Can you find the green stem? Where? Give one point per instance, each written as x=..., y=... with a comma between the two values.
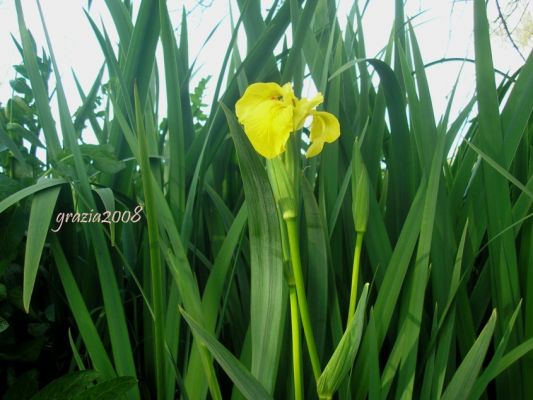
x=300, y=291
x=296, y=356
x=355, y=276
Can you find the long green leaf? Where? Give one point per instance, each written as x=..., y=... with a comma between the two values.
x=86, y=327
x=43, y=184
x=42, y=207
x=464, y=378
x=38, y=87
x=266, y=260
x=247, y=384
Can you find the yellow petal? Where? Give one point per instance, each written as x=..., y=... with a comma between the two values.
x=314, y=149
x=266, y=112
x=325, y=128
x=303, y=109
x=257, y=93
x=289, y=98
x=254, y=95
x=268, y=127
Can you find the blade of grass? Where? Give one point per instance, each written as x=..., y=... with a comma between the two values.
x=176, y=190
x=91, y=338
x=43, y=184
x=243, y=379
x=410, y=330
x=42, y=207
x=502, y=171
x=39, y=90
x=155, y=256
x=12, y=146
x=122, y=20
x=317, y=273
x=504, y=363
x=217, y=279
x=464, y=378
x=402, y=185
x=490, y=371
x=388, y=295
x=517, y=110
x=503, y=261
x=75, y=354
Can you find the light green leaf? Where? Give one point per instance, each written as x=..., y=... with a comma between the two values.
x=464, y=378
x=266, y=259
x=42, y=207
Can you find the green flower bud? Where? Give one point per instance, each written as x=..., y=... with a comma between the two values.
x=341, y=361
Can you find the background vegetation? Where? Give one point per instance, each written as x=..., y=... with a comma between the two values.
x=192, y=301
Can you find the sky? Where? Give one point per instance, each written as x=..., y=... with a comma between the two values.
x=442, y=31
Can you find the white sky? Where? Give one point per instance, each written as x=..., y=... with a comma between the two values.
x=440, y=32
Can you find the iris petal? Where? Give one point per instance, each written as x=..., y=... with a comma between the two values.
x=270, y=112
x=303, y=109
x=325, y=128
x=268, y=127
x=254, y=95
x=266, y=112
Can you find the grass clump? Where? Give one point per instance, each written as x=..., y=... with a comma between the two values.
x=414, y=284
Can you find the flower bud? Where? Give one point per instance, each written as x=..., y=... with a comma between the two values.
x=341, y=362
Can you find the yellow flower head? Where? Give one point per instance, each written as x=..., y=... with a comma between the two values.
x=270, y=112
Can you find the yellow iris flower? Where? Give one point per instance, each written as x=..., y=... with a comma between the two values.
x=270, y=112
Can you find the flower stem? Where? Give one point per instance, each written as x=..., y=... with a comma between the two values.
x=296, y=356
x=355, y=276
x=300, y=291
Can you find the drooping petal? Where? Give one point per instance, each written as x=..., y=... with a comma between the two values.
x=325, y=128
x=314, y=149
x=266, y=112
x=303, y=109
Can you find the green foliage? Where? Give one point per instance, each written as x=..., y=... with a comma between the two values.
x=80, y=385
x=190, y=299
x=197, y=103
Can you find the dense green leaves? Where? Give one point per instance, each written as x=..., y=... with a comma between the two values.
x=464, y=378
x=79, y=385
x=187, y=289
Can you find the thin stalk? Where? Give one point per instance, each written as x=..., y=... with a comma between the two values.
x=355, y=276
x=296, y=344
x=302, y=299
